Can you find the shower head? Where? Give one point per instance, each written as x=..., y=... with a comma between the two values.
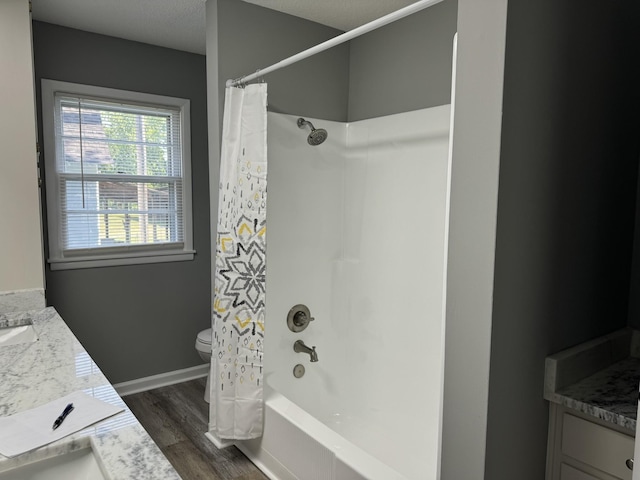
x=317, y=135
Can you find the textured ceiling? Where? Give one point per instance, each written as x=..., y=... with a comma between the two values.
x=341, y=14
x=180, y=24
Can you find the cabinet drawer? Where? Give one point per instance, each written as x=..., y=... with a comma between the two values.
x=600, y=447
x=567, y=472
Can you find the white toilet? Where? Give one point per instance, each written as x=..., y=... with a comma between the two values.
x=203, y=346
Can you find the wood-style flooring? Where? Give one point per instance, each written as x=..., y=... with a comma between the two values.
x=176, y=417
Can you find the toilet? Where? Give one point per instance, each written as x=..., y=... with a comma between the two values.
x=203, y=347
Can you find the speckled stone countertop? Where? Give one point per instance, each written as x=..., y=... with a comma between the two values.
x=599, y=378
x=610, y=395
x=32, y=374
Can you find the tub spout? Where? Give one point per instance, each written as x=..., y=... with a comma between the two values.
x=300, y=347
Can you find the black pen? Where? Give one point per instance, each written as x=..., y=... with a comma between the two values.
x=63, y=415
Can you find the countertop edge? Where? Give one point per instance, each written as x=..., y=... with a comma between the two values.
x=593, y=411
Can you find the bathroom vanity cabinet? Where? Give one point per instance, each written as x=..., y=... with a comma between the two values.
x=593, y=401
x=582, y=447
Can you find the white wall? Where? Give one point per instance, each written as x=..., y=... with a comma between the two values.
x=477, y=114
x=21, y=254
x=304, y=232
x=358, y=235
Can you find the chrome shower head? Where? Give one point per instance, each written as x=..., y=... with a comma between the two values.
x=317, y=135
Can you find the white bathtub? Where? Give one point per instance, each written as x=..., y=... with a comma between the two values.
x=298, y=446
x=356, y=231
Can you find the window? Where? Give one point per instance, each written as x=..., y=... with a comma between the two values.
x=117, y=176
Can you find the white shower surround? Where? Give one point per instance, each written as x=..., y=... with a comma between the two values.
x=356, y=231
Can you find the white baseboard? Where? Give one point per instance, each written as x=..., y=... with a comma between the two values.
x=161, y=380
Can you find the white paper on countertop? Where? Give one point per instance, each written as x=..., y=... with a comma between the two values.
x=33, y=428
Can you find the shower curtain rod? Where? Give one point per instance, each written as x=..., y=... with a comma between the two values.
x=344, y=37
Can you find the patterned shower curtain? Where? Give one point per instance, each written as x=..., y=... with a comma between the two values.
x=239, y=288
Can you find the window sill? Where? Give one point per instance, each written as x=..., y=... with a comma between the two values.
x=115, y=260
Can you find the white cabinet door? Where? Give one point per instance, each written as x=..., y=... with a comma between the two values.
x=597, y=446
x=567, y=472
x=636, y=454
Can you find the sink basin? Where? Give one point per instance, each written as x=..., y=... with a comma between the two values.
x=17, y=334
x=78, y=465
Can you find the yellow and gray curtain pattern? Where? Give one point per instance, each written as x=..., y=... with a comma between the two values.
x=239, y=287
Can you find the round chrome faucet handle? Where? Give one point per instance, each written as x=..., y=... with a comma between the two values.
x=299, y=318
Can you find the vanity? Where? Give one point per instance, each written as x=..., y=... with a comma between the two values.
x=49, y=363
x=592, y=391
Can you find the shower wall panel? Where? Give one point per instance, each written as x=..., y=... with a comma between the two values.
x=356, y=231
x=305, y=198
x=394, y=237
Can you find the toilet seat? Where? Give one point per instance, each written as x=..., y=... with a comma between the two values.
x=203, y=341
x=205, y=336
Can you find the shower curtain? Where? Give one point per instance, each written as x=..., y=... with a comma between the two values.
x=239, y=286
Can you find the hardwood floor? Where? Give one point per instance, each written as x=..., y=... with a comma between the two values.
x=176, y=417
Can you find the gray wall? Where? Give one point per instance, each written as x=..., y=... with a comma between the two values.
x=252, y=37
x=566, y=206
x=634, y=284
x=401, y=67
x=136, y=320
x=405, y=65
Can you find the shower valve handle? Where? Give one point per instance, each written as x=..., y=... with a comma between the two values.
x=300, y=319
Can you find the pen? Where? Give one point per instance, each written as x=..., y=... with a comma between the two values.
x=63, y=415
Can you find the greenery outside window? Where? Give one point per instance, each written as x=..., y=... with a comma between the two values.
x=118, y=179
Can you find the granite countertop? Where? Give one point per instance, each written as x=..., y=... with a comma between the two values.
x=599, y=378
x=610, y=394
x=32, y=374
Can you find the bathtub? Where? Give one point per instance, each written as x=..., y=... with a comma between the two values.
x=356, y=231
x=298, y=446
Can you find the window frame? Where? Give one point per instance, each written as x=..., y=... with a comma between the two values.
x=121, y=255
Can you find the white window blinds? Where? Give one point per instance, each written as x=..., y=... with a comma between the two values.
x=120, y=174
